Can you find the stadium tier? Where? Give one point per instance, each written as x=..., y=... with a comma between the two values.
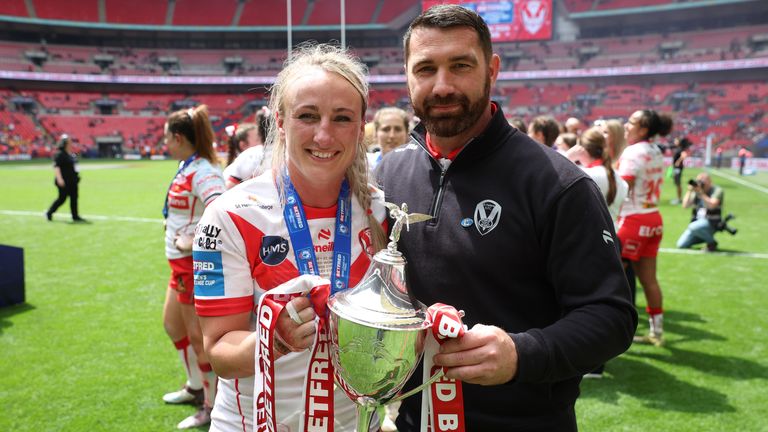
x=244, y=13
x=728, y=106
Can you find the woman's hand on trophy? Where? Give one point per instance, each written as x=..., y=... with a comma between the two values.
x=295, y=326
x=485, y=355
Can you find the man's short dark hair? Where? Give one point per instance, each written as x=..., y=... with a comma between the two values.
x=447, y=16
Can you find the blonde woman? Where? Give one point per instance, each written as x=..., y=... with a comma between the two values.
x=319, y=167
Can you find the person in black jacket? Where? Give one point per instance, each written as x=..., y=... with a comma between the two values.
x=67, y=179
x=520, y=240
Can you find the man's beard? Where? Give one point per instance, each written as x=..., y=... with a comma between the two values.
x=450, y=125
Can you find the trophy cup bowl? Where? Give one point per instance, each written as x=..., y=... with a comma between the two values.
x=377, y=333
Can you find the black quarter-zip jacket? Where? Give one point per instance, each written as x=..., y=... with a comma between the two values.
x=521, y=239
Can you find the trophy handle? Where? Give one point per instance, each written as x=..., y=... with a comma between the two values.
x=439, y=374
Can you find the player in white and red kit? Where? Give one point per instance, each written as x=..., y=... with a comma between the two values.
x=243, y=247
x=248, y=140
x=197, y=183
x=641, y=165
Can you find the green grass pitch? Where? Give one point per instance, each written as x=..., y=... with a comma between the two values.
x=87, y=352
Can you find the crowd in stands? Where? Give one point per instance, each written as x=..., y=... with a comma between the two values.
x=684, y=47
x=733, y=113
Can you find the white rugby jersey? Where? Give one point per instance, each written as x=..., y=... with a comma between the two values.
x=246, y=165
x=600, y=176
x=242, y=249
x=644, y=163
x=196, y=186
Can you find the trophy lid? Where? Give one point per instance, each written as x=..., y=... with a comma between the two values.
x=381, y=299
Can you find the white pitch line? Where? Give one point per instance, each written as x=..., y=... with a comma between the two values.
x=157, y=221
x=740, y=181
x=724, y=253
x=41, y=215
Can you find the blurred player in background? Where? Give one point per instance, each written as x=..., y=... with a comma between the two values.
x=189, y=137
x=641, y=165
x=391, y=131
x=251, y=161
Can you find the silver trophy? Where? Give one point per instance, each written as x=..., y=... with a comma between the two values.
x=378, y=329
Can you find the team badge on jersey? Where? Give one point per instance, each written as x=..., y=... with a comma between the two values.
x=487, y=216
x=273, y=250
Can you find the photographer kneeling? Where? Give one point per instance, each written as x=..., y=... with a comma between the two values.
x=707, y=202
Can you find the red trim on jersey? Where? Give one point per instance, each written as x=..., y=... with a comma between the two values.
x=594, y=163
x=234, y=180
x=358, y=268
x=628, y=178
x=224, y=306
x=251, y=237
x=239, y=406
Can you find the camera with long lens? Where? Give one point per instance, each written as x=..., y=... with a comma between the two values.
x=695, y=183
x=723, y=225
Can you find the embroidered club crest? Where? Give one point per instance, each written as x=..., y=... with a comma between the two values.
x=487, y=215
x=533, y=14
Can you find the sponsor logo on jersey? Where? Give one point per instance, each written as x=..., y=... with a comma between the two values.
x=487, y=216
x=259, y=204
x=179, y=202
x=650, y=231
x=534, y=14
x=324, y=234
x=466, y=222
x=209, y=230
x=328, y=247
x=207, y=237
x=273, y=250
x=630, y=246
x=208, y=274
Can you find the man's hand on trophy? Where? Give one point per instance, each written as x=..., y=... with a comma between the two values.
x=295, y=326
x=485, y=355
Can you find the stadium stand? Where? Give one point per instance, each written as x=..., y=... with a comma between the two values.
x=253, y=13
x=392, y=9
x=13, y=8
x=728, y=107
x=188, y=12
x=624, y=4
x=85, y=10
x=326, y=12
x=147, y=12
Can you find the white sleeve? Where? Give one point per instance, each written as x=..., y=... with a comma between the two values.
x=246, y=164
x=208, y=184
x=223, y=281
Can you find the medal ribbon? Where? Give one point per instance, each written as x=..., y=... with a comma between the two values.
x=301, y=238
x=318, y=390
